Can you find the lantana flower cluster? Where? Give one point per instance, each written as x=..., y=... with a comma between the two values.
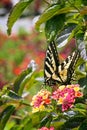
x=64, y=96
x=41, y=100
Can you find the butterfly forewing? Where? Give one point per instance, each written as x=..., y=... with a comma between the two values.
x=54, y=72
x=51, y=62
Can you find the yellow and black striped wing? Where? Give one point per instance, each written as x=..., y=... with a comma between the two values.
x=56, y=73
x=67, y=68
x=51, y=63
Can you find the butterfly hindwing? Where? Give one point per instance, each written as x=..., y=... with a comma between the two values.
x=54, y=72
x=66, y=69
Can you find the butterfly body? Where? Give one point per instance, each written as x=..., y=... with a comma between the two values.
x=56, y=73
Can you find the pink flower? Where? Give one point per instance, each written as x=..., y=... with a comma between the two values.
x=68, y=102
x=66, y=95
x=40, y=100
x=56, y=94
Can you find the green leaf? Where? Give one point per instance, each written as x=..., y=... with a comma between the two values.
x=52, y=11
x=81, y=106
x=76, y=3
x=20, y=79
x=46, y=120
x=83, y=82
x=83, y=126
x=65, y=36
x=84, y=2
x=73, y=122
x=38, y=117
x=80, y=74
x=48, y=13
x=27, y=77
x=26, y=123
x=34, y=81
x=16, y=13
x=17, y=127
x=25, y=80
x=4, y=116
x=9, y=125
x=53, y=26
x=14, y=95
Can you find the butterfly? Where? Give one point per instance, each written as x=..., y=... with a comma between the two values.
x=56, y=72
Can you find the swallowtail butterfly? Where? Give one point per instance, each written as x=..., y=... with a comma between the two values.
x=56, y=73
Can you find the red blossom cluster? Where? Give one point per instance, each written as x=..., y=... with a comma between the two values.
x=40, y=100
x=64, y=96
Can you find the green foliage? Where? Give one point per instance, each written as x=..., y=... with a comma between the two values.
x=16, y=13
x=83, y=125
x=20, y=79
x=53, y=26
x=73, y=122
x=64, y=20
x=6, y=113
